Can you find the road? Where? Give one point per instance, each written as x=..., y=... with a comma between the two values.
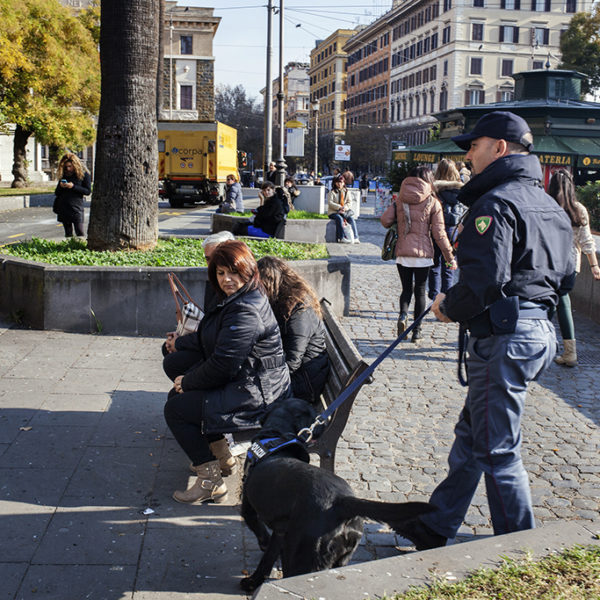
x=40, y=221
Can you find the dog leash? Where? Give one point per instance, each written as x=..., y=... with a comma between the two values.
x=306, y=433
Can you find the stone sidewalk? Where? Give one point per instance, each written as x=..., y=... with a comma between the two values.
x=87, y=467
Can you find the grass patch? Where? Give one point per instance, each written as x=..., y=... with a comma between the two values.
x=571, y=575
x=293, y=214
x=28, y=191
x=175, y=252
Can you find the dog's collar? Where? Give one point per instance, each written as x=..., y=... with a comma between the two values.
x=260, y=449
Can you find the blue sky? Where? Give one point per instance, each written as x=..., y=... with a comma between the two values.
x=241, y=39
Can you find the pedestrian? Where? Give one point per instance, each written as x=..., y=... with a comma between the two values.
x=339, y=209
x=293, y=192
x=298, y=314
x=561, y=188
x=234, y=199
x=418, y=215
x=447, y=186
x=74, y=183
x=364, y=187
x=272, y=173
x=464, y=173
x=514, y=256
x=242, y=372
x=348, y=176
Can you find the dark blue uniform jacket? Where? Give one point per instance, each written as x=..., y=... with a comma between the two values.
x=516, y=240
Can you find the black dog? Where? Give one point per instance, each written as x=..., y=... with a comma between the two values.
x=315, y=519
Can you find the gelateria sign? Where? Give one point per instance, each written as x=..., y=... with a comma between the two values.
x=565, y=160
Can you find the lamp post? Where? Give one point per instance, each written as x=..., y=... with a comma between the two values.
x=316, y=111
x=281, y=164
x=171, y=67
x=268, y=129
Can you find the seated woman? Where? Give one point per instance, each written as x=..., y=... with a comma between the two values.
x=269, y=220
x=242, y=370
x=339, y=209
x=298, y=313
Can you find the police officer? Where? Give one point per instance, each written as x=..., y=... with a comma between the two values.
x=514, y=259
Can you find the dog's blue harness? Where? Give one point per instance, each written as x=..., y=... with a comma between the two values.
x=262, y=448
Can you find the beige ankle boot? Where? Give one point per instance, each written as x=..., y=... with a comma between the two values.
x=222, y=453
x=208, y=486
x=569, y=356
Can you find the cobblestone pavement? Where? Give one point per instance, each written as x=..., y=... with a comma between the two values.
x=396, y=443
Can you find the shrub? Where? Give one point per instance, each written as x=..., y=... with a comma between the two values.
x=589, y=196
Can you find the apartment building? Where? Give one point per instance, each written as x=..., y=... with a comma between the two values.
x=368, y=77
x=451, y=53
x=188, y=89
x=296, y=94
x=327, y=73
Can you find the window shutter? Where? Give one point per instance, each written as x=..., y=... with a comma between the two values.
x=501, y=36
x=546, y=36
x=517, y=4
x=467, y=97
x=548, y=5
x=498, y=96
x=515, y=35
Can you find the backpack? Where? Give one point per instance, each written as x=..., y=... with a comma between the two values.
x=453, y=212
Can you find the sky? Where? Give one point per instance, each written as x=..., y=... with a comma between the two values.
x=240, y=44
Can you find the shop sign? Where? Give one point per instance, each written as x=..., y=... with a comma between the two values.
x=589, y=161
x=399, y=156
x=424, y=157
x=556, y=159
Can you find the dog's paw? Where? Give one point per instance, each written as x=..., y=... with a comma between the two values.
x=249, y=584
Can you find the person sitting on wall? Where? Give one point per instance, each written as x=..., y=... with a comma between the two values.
x=269, y=220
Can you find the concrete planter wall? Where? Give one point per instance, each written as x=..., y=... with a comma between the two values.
x=585, y=296
x=126, y=300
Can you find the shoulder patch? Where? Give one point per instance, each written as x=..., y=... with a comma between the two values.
x=482, y=224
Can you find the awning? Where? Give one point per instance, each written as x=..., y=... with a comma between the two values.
x=587, y=150
x=551, y=150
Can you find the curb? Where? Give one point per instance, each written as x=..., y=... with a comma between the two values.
x=451, y=563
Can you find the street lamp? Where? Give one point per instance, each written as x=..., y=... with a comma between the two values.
x=316, y=111
x=281, y=164
x=268, y=128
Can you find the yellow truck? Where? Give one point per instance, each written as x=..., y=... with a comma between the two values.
x=194, y=158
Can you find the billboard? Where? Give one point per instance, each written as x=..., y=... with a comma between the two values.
x=342, y=152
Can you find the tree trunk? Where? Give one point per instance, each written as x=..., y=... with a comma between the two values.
x=19, y=169
x=124, y=212
x=160, y=63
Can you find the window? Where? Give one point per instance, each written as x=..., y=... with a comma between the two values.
x=443, y=100
x=447, y=5
x=185, y=44
x=510, y=4
x=434, y=41
x=474, y=97
x=541, y=5
x=538, y=64
x=477, y=32
x=507, y=67
x=505, y=96
x=445, y=68
x=509, y=34
x=478, y=3
x=446, y=35
x=476, y=66
x=571, y=6
x=185, y=97
x=541, y=36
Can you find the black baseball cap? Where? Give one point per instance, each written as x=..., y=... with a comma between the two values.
x=500, y=125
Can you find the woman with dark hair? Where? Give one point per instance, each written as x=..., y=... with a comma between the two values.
x=269, y=219
x=418, y=214
x=241, y=371
x=74, y=183
x=561, y=188
x=339, y=209
x=298, y=313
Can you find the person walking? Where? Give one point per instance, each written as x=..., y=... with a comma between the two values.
x=241, y=372
x=348, y=176
x=447, y=186
x=418, y=215
x=561, y=188
x=364, y=187
x=74, y=183
x=514, y=256
x=339, y=209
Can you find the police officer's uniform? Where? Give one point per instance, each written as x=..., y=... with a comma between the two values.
x=514, y=257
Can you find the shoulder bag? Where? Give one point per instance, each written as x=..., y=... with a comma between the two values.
x=189, y=314
x=388, y=250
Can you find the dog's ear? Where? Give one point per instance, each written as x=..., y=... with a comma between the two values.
x=304, y=413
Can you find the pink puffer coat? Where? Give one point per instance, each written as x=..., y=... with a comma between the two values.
x=426, y=219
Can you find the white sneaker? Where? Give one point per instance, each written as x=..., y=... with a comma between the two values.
x=345, y=241
x=356, y=241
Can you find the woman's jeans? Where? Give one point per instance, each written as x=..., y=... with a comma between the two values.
x=441, y=278
x=339, y=225
x=407, y=274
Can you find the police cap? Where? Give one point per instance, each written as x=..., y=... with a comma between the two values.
x=500, y=125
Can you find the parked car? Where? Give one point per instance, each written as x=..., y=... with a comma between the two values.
x=302, y=179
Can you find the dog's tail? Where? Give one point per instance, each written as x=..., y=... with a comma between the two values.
x=392, y=513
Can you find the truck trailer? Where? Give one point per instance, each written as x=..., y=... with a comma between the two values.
x=194, y=159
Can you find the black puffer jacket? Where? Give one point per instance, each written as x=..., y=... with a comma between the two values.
x=68, y=204
x=244, y=368
x=270, y=216
x=303, y=337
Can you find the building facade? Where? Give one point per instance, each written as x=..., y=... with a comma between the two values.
x=296, y=94
x=188, y=90
x=328, y=81
x=451, y=53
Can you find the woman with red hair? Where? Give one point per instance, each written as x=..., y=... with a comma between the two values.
x=241, y=370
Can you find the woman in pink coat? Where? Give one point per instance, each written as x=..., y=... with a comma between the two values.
x=419, y=215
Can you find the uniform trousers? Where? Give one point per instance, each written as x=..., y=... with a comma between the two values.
x=488, y=433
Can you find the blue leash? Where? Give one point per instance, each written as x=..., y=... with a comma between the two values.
x=306, y=434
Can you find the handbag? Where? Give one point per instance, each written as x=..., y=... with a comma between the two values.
x=348, y=232
x=189, y=314
x=349, y=213
x=388, y=250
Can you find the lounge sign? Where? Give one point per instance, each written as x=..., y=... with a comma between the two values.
x=399, y=156
x=556, y=159
x=424, y=157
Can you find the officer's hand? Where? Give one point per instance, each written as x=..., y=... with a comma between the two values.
x=435, y=307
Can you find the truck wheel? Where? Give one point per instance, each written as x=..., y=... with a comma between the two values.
x=175, y=203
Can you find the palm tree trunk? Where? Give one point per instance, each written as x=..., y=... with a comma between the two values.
x=124, y=213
